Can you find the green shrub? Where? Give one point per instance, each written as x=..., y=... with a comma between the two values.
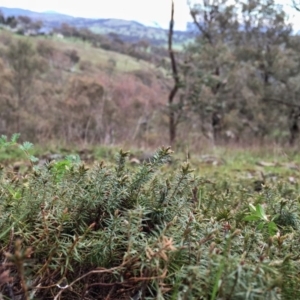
x=70, y=232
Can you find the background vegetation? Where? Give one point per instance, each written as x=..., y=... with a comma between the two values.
x=237, y=81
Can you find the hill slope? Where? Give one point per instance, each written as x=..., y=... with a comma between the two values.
x=131, y=31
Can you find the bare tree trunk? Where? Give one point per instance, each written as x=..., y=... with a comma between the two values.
x=294, y=127
x=174, y=90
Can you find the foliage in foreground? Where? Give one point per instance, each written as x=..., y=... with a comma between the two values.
x=110, y=232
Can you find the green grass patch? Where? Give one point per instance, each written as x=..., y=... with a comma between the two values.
x=98, y=56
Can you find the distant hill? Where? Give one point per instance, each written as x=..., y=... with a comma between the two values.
x=129, y=31
x=44, y=16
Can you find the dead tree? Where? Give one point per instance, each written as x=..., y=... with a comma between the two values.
x=174, y=90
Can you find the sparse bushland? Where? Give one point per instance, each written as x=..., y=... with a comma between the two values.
x=149, y=232
x=236, y=84
x=50, y=91
x=238, y=78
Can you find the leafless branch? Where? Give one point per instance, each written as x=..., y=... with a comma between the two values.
x=97, y=271
x=199, y=26
x=296, y=5
x=171, y=53
x=174, y=90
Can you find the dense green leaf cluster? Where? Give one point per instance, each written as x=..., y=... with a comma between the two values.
x=117, y=232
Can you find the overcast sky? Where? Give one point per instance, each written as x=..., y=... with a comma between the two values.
x=145, y=11
x=140, y=10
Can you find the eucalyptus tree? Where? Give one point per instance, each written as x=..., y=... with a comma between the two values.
x=243, y=63
x=23, y=69
x=269, y=49
x=210, y=62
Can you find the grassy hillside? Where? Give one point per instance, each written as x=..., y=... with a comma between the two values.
x=97, y=56
x=77, y=92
